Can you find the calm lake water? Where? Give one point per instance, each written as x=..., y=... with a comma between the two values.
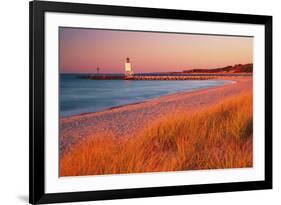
x=79, y=95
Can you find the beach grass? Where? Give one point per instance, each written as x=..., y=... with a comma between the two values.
x=214, y=137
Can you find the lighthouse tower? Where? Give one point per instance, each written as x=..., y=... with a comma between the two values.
x=128, y=69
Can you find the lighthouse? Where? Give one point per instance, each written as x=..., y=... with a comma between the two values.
x=128, y=68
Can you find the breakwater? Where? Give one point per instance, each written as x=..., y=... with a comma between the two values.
x=199, y=76
x=152, y=77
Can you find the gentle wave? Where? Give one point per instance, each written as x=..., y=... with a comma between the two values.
x=79, y=95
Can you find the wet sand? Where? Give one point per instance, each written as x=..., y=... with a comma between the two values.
x=126, y=121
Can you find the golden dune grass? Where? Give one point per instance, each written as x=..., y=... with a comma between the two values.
x=213, y=138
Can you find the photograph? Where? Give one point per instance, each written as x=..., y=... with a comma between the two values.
x=148, y=101
x=132, y=102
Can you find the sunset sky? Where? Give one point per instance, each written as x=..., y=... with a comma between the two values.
x=83, y=50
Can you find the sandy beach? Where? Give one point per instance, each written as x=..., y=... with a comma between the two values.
x=126, y=121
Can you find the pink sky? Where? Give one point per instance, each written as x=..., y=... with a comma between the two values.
x=83, y=50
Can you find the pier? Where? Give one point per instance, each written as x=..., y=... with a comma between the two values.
x=156, y=77
x=147, y=77
x=170, y=78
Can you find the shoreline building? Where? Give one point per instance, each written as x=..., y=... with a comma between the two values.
x=128, y=68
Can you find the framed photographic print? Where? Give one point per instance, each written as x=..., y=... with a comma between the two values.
x=140, y=102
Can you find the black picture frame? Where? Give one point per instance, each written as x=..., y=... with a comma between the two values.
x=37, y=11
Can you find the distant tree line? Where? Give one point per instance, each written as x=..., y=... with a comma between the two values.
x=238, y=68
